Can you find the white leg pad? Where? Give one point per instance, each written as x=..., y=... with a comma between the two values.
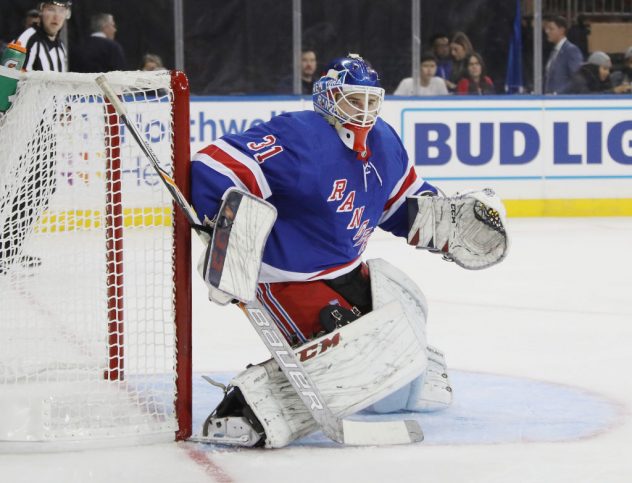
x=357, y=366
x=353, y=367
x=389, y=283
x=431, y=390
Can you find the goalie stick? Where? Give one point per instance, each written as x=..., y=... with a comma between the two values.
x=339, y=430
x=168, y=181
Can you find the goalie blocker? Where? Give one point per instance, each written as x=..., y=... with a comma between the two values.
x=468, y=228
x=231, y=263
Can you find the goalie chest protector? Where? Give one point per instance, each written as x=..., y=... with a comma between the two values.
x=328, y=201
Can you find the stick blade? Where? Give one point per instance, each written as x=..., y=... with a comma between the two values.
x=377, y=433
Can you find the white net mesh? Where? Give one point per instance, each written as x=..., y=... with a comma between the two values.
x=87, y=319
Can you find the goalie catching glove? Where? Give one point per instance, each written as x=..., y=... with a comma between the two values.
x=468, y=228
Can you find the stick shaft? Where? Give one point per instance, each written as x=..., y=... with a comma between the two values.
x=170, y=184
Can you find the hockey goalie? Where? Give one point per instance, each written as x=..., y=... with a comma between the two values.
x=319, y=183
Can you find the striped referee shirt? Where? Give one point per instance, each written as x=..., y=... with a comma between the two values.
x=42, y=53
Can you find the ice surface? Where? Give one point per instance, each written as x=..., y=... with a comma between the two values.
x=540, y=351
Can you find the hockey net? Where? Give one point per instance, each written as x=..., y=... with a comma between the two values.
x=94, y=264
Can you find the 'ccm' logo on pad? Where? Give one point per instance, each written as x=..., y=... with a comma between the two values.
x=318, y=348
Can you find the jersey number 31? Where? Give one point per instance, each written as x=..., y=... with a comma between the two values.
x=261, y=152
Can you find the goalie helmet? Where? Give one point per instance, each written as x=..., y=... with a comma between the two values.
x=349, y=96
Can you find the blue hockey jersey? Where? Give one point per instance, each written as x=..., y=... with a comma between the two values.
x=329, y=201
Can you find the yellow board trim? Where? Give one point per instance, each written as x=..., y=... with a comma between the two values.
x=58, y=222
x=569, y=207
x=73, y=220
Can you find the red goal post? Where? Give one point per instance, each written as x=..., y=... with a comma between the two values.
x=95, y=264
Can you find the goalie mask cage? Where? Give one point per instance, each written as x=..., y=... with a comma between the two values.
x=95, y=297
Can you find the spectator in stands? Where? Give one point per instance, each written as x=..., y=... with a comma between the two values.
x=622, y=79
x=429, y=84
x=99, y=52
x=594, y=77
x=151, y=62
x=441, y=49
x=44, y=48
x=460, y=48
x=564, y=59
x=309, y=63
x=32, y=18
x=475, y=82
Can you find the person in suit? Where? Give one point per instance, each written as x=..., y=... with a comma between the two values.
x=99, y=52
x=565, y=58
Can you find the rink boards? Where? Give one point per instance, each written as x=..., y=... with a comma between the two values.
x=554, y=156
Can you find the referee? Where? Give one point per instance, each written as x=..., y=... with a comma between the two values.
x=44, y=49
x=44, y=52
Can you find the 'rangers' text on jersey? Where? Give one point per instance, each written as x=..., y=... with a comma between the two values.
x=328, y=201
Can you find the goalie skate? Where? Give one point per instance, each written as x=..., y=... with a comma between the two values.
x=231, y=431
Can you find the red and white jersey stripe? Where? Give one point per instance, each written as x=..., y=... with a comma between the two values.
x=241, y=169
x=270, y=274
x=328, y=201
x=408, y=185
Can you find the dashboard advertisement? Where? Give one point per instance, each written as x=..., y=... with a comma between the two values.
x=527, y=148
